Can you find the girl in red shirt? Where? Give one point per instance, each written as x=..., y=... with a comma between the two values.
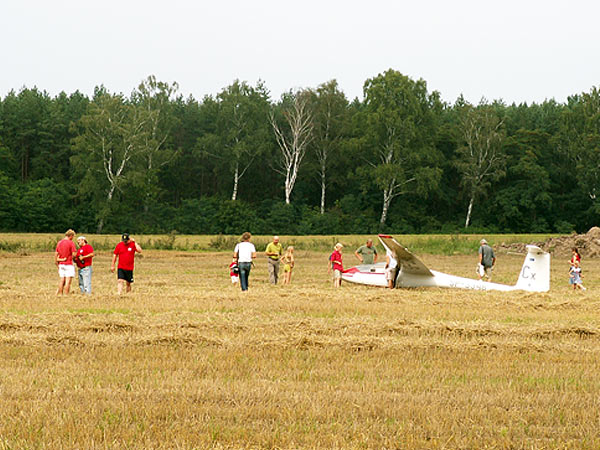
x=335, y=264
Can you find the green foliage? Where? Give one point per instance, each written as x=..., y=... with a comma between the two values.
x=155, y=162
x=11, y=247
x=579, y=139
x=401, y=122
x=480, y=158
x=166, y=242
x=223, y=243
x=37, y=206
x=313, y=222
x=564, y=227
x=8, y=207
x=240, y=132
x=44, y=205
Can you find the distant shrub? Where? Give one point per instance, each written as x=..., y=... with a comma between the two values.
x=165, y=242
x=222, y=243
x=12, y=247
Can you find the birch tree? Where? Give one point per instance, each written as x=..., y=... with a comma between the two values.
x=293, y=137
x=400, y=117
x=105, y=149
x=480, y=159
x=153, y=111
x=330, y=108
x=241, y=122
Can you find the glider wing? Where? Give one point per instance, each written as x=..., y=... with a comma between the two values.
x=407, y=262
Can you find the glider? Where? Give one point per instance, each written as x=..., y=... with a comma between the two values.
x=411, y=272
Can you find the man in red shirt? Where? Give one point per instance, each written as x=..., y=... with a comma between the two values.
x=125, y=252
x=84, y=263
x=63, y=258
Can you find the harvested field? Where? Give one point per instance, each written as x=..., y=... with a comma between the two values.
x=187, y=361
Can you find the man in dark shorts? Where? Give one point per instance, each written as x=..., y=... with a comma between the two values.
x=125, y=252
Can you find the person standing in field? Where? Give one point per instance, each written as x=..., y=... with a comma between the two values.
x=336, y=265
x=575, y=276
x=575, y=255
x=366, y=254
x=487, y=260
x=273, y=251
x=63, y=258
x=244, y=253
x=288, y=265
x=85, y=253
x=234, y=272
x=390, y=268
x=575, y=273
x=125, y=252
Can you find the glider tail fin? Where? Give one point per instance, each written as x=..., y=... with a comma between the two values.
x=535, y=273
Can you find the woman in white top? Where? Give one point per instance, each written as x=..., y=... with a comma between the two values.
x=390, y=268
x=244, y=253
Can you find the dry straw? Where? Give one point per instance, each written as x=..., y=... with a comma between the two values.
x=187, y=361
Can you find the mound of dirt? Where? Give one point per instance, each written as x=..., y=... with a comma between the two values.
x=588, y=244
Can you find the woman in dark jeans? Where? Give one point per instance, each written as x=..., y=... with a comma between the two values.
x=244, y=253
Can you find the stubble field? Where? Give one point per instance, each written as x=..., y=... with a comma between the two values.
x=187, y=361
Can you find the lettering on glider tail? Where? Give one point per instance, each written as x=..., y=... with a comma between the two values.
x=526, y=271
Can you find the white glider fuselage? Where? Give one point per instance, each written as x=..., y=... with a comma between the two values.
x=444, y=280
x=534, y=275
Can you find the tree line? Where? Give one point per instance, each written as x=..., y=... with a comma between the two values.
x=311, y=162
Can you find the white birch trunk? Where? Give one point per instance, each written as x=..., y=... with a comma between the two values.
x=289, y=187
x=387, y=199
x=148, y=184
x=388, y=192
x=100, y=225
x=236, y=178
x=323, y=187
x=109, y=197
x=293, y=147
x=469, y=211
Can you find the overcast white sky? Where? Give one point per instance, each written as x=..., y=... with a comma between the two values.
x=527, y=50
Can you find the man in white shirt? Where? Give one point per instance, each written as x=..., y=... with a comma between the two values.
x=244, y=253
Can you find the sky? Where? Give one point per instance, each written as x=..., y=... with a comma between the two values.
x=515, y=51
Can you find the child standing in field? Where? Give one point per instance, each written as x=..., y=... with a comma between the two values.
x=335, y=265
x=234, y=271
x=288, y=265
x=575, y=276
